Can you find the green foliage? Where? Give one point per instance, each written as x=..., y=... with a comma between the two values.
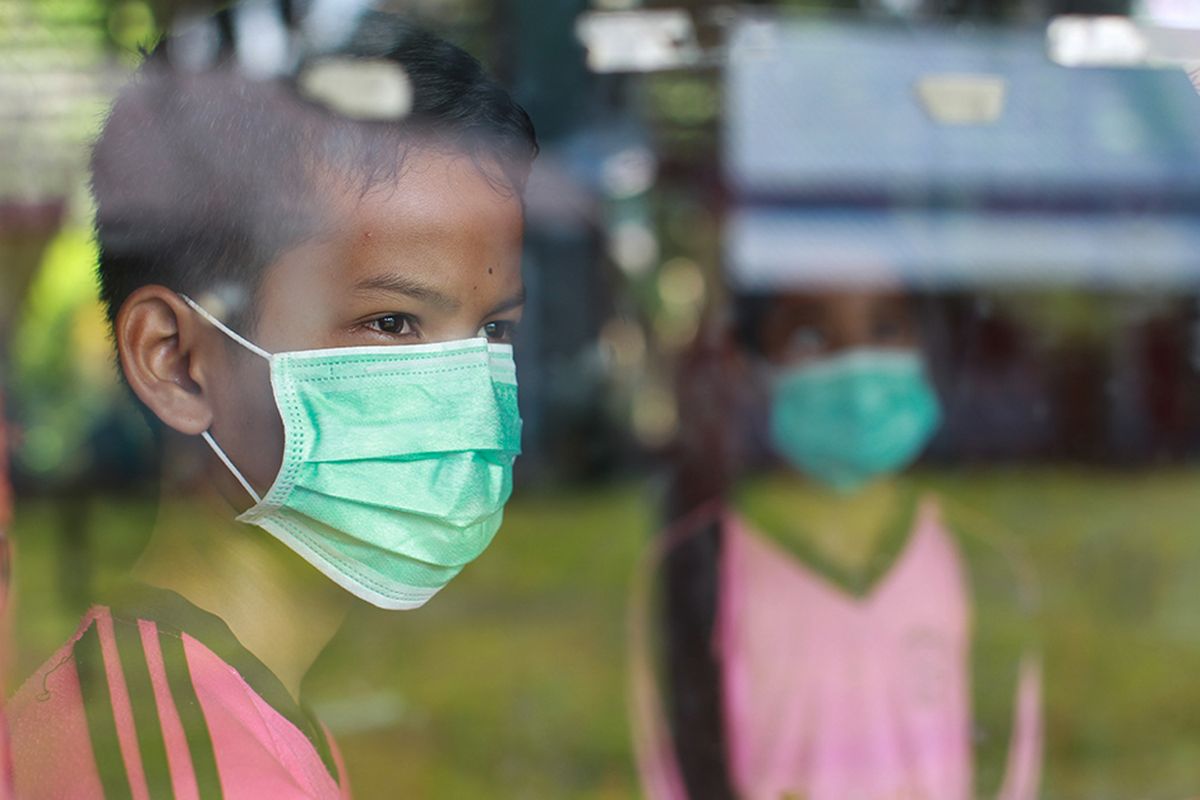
x=63, y=367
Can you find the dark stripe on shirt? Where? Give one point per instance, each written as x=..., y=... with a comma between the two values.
x=97, y=706
x=145, y=709
x=172, y=612
x=191, y=715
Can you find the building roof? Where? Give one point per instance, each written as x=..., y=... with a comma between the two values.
x=821, y=110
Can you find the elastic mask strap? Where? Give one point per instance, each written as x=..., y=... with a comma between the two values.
x=225, y=329
x=253, y=348
x=229, y=464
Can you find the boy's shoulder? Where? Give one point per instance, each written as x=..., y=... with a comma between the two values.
x=143, y=702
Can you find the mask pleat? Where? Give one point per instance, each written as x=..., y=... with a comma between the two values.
x=462, y=489
x=354, y=554
x=356, y=418
x=357, y=531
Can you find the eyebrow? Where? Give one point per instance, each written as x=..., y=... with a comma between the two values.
x=512, y=302
x=399, y=284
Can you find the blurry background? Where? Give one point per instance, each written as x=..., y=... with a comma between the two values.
x=1035, y=176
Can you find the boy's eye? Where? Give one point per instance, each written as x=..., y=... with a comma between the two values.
x=396, y=324
x=499, y=331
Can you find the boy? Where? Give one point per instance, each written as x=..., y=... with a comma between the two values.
x=317, y=312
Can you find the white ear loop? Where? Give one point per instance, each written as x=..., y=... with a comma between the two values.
x=253, y=348
x=229, y=464
x=225, y=329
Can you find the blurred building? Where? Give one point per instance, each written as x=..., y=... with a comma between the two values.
x=970, y=166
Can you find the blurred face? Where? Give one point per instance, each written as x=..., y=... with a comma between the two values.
x=798, y=328
x=846, y=421
x=435, y=257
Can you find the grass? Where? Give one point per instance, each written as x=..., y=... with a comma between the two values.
x=512, y=682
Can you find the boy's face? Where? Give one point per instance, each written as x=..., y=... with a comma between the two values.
x=433, y=257
x=803, y=327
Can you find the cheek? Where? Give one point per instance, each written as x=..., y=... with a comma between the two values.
x=247, y=423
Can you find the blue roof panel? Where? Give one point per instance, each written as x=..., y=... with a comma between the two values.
x=820, y=108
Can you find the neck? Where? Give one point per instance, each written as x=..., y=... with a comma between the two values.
x=845, y=528
x=279, y=608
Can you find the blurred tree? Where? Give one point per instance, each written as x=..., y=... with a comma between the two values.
x=60, y=62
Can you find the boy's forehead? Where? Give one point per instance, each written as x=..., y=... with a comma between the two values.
x=441, y=223
x=430, y=190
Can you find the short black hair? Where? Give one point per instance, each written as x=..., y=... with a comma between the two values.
x=203, y=177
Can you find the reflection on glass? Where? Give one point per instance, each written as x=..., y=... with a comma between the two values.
x=753, y=233
x=834, y=628
x=309, y=263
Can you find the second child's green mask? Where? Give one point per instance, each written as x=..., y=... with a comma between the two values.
x=853, y=417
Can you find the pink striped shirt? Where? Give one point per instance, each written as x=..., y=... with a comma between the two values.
x=156, y=698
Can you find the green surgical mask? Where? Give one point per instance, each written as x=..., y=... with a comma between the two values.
x=848, y=419
x=397, y=461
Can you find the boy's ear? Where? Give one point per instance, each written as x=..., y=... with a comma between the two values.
x=161, y=344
